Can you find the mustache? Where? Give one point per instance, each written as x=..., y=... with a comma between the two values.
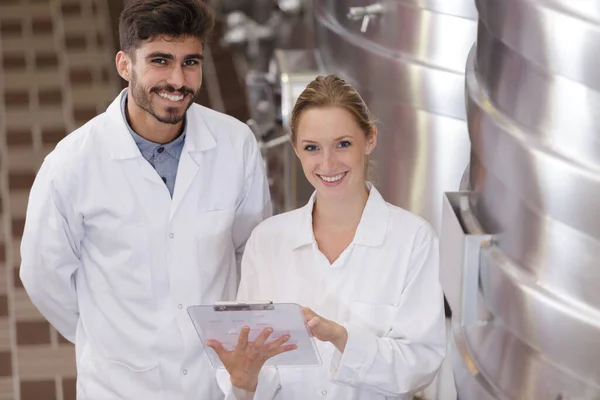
x=170, y=89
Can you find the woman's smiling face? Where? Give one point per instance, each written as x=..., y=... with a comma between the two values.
x=333, y=151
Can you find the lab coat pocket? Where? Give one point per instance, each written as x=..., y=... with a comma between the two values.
x=378, y=318
x=214, y=237
x=106, y=379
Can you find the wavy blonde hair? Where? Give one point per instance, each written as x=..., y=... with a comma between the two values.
x=332, y=91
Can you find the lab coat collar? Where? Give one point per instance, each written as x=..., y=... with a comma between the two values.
x=371, y=229
x=122, y=145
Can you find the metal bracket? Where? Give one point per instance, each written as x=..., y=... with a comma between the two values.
x=365, y=13
x=239, y=306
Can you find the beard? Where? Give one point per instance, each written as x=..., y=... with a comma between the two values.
x=142, y=97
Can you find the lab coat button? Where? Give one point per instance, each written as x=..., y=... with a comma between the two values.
x=324, y=392
x=171, y=235
x=185, y=371
x=180, y=306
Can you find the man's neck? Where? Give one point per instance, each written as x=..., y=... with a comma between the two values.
x=149, y=127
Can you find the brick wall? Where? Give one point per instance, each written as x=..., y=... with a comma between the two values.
x=56, y=72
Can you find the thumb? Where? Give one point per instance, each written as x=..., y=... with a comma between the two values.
x=308, y=314
x=216, y=346
x=314, y=323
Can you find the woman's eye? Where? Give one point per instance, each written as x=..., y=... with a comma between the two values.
x=310, y=147
x=344, y=143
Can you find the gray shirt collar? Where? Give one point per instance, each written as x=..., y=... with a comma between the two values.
x=147, y=148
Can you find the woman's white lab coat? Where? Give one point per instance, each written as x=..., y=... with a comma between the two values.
x=384, y=288
x=113, y=262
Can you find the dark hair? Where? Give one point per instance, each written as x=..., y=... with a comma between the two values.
x=331, y=91
x=142, y=20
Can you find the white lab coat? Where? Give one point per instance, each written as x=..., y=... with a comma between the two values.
x=384, y=288
x=113, y=262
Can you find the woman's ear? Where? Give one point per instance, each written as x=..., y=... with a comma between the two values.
x=371, y=140
x=294, y=147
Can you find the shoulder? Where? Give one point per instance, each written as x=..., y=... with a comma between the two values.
x=222, y=124
x=77, y=147
x=232, y=137
x=66, y=166
x=411, y=226
x=279, y=228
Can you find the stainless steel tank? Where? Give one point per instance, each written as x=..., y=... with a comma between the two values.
x=407, y=59
x=521, y=246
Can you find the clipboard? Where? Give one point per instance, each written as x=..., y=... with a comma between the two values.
x=224, y=321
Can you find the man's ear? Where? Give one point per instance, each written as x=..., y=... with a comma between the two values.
x=124, y=65
x=372, y=141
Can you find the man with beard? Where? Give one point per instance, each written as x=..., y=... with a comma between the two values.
x=142, y=212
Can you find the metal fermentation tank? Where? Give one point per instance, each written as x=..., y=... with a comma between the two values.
x=521, y=247
x=407, y=59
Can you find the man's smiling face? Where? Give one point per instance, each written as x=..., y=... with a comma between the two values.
x=166, y=76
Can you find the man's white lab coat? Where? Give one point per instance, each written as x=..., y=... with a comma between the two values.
x=113, y=262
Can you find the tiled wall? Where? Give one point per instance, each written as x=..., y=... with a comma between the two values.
x=56, y=72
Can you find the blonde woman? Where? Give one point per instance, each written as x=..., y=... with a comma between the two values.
x=365, y=271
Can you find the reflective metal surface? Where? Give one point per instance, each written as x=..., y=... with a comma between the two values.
x=258, y=33
x=490, y=361
x=293, y=71
x=533, y=95
x=407, y=59
x=259, y=10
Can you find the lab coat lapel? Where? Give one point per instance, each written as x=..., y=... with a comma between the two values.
x=198, y=140
x=152, y=193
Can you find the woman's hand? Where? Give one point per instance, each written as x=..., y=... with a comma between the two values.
x=326, y=330
x=246, y=360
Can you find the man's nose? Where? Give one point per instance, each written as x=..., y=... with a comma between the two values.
x=176, y=78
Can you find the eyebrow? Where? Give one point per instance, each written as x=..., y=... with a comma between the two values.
x=335, y=140
x=158, y=54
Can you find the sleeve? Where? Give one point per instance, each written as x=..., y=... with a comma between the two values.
x=408, y=358
x=255, y=205
x=50, y=253
x=268, y=386
x=268, y=379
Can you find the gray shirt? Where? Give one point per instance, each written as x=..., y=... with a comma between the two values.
x=164, y=158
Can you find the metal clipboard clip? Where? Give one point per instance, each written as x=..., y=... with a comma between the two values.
x=243, y=306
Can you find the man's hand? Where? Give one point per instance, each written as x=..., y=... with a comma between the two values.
x=326, y=330
x=246, y=360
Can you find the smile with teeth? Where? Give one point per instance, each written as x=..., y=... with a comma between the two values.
x=171, y=96
x=333, y=178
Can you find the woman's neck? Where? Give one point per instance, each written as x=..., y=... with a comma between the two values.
x=339, y=215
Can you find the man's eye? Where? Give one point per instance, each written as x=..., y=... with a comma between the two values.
x=159, y=61
x=310, y=147
x=190, y=63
